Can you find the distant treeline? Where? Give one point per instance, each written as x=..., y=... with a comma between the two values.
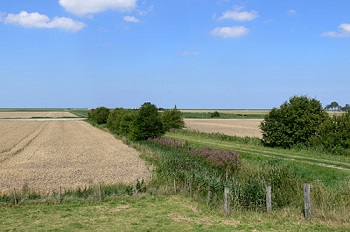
x=138, y=124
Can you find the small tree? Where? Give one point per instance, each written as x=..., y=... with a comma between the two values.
x=334, y=134
x=215, y=114
x=333, y=106
x=172, y=119
x=346, y=107
x=147, y=123
x=99, y=115
x=294, y=123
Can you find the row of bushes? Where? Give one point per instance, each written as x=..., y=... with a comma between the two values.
x=303, y=122
x=141, y=124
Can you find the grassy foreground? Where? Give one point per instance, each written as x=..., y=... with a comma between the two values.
x=152, y=213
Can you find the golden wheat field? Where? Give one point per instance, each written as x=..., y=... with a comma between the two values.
x=44, y=155
x=36, y=114
x=233, y=127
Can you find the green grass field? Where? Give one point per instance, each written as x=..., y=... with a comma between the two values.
x=153, y=213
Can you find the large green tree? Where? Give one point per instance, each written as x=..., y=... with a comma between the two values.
x=147, y=123
x=295, y=122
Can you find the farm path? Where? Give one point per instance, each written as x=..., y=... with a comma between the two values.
x=70, y=154
x=261, y=151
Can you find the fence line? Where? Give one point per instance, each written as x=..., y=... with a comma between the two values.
x=139, y=186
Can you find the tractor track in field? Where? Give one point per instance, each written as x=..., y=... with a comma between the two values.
x=21, y=145
x=271, y=154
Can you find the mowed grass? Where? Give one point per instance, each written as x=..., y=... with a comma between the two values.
x=153, y=213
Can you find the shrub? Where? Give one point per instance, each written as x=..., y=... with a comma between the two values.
x=146, y=124
x=334, y=134
x=99, y=115
x=172, y=119
x=295, y=123
x=215, y=114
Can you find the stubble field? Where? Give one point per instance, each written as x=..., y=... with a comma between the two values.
x=36, y=114
x=233, y=127
x=43, y=155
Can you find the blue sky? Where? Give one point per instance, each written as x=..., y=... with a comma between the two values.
x=195, y=54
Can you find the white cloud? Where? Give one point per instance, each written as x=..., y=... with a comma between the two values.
x=238, y=15
x=89, y=7
x=190, y=53
x=291, y=12
x=131, y=19
x=344, y=31
x=230, y=32
x=37, y=20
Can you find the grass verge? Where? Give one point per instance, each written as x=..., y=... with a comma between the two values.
x=152, y=213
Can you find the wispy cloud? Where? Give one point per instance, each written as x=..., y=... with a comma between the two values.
x=291, y=12
x=131, y=19
x=238, y=15
x=190, y=53
x=90, y=7
x=230, y=32
x=344, y=31
x=36, y=20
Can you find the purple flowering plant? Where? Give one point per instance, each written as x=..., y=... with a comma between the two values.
x=225, y=160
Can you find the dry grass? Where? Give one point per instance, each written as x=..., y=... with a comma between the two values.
x=69, y=154
x=36, y=114
x=233, y=127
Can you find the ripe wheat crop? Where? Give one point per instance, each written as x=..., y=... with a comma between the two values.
x=69, y=154
x=35, y=114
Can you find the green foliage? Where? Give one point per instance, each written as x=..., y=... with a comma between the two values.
x=295, y=123
x=215, y=114
x=334, y=134
x=345, y=108
x=172, y=119
x=333, y=106
x=136, y=124
x=99, y=115
x=174, y=159
x=147, y=123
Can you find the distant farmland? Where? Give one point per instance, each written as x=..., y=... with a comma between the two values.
x=233, y=127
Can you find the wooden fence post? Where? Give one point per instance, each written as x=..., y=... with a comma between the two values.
x=227, y=201
x=15, y=196
x=60, y=195
x=174, y=185
x=190, y=188
x=268, y=199
x=307, y=201
x=209, y=197
x=100, y=196
x=135, y=187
